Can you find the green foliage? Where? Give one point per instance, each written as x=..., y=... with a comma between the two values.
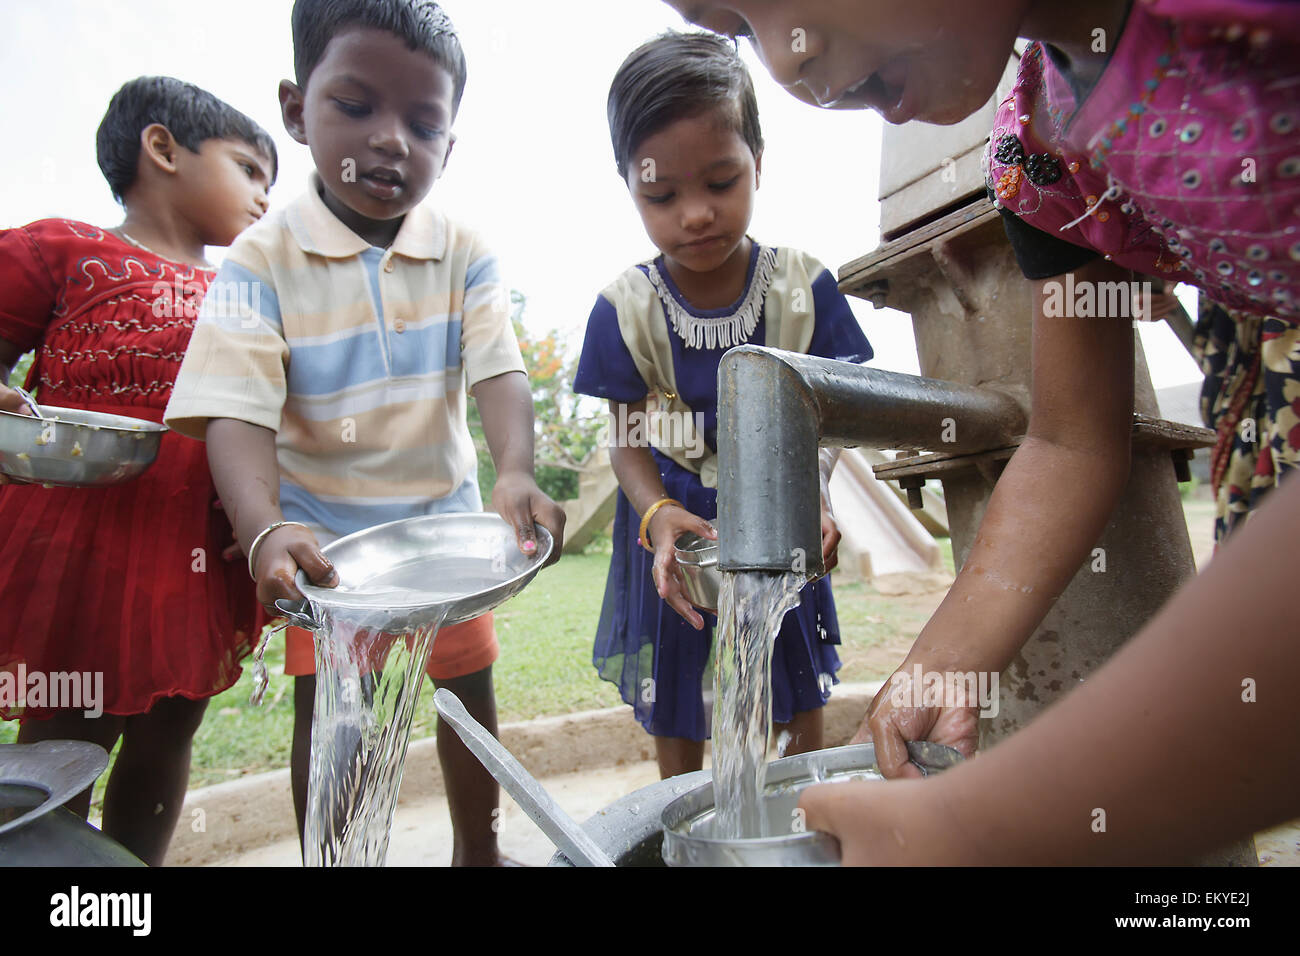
x=19, y=374
x=564, y=431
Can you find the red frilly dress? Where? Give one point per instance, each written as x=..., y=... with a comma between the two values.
x=126, y=580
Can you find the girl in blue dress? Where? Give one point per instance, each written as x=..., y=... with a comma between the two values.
x=684, y=123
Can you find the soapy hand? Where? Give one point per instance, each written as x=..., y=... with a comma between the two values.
x=279, y=556
x=516, y=497
x=893, y=719
x=669, y=523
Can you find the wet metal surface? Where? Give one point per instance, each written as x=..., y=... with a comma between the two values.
x=774, y=410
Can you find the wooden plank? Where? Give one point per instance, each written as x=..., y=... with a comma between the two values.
x=887, y=256
x=1147, y=433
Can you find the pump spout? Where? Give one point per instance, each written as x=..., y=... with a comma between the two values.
x=775, y=409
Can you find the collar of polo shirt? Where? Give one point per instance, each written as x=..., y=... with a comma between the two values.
x=318, y=231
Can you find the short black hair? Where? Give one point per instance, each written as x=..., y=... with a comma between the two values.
x=423, y=24
x=191, y=114
x=679, y=76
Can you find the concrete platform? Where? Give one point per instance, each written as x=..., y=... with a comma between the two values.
x=422, y=830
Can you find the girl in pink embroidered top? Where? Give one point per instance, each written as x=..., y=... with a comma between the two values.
x=1154, y=135
x=128, y=583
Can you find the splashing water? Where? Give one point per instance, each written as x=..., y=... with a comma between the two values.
x=783, y=742
x=367, y=684
x=751, y=605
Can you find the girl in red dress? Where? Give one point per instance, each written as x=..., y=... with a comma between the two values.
x=129, y=585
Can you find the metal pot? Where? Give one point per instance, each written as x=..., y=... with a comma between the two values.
x=635, y=830
x=698, y=559
x=687, y=821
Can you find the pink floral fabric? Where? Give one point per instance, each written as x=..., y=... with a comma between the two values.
x=1184, y=159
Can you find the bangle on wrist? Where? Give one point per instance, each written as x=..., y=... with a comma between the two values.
x=644, y=535
x=252, y=549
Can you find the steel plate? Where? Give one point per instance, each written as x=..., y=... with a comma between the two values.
x=401, y=574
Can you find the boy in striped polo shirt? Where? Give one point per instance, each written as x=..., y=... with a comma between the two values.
x=328, y=371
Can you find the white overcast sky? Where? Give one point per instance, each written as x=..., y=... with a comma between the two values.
x=532, y=169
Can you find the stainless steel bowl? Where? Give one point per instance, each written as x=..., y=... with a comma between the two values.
x=77, y=448
x=688, y=820
x=402, y=574
x=698, y=559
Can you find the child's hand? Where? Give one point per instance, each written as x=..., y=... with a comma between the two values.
x=893, y=719
x=668, y=524
x=11, y=401
x=516, y=497
x=279, y=556
x=830, y=537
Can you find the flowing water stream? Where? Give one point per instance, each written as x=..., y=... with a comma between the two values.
x=751, y=605
x=367, y=683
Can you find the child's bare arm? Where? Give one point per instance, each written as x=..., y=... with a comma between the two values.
x=506, y=408
x=1188, y=738
x=1048, y=509
x=639, y=478
x=247, y=478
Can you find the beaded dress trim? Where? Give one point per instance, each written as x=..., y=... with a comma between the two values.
x=719, y=331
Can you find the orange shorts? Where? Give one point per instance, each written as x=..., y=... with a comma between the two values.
x=458, y=650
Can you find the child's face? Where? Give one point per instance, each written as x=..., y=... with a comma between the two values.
x=932, y=60
x=223, y=188
x=693, y=184
x=377, y=116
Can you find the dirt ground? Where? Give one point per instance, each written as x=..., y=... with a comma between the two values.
x=879, y=659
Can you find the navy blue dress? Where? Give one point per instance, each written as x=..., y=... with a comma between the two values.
x=663, y=667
